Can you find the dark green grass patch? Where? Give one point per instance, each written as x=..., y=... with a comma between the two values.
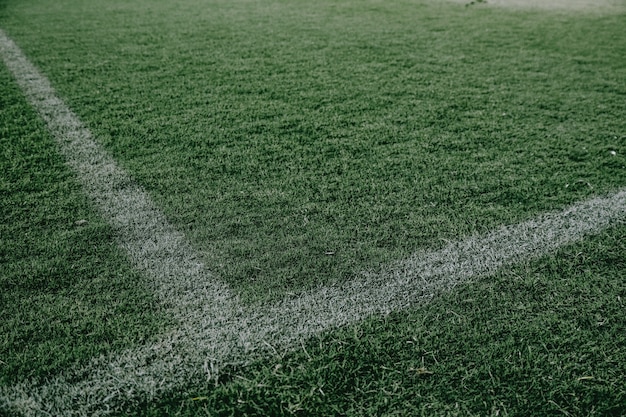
x=545, y=338
x=275, y=133
x=66, y=293
x=296, y=143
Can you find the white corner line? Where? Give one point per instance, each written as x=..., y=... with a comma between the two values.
x=214, y=328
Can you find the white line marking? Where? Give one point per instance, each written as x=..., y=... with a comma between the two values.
x=214, y=327
x=153, y=245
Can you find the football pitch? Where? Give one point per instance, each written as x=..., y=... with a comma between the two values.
x=338, y=207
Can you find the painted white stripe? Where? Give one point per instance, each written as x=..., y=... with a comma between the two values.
x=214, y=327
x=181, y=282
x=152, y=244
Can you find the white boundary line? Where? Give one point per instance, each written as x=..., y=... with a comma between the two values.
x=214, y=327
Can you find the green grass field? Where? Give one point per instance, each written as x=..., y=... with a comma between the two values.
x=297, y=144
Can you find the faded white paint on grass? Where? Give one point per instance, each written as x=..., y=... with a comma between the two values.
x=214, y=328
x=152, y=244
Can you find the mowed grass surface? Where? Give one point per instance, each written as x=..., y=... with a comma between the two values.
x=66, y=292
x=298, y=143
x=275, y=133
x=544, y=338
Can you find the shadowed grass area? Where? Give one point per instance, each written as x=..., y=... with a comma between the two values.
x=66, y=293
x=274, y=133
x=545, y=338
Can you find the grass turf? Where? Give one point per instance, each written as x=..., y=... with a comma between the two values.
x=544, y=338
x=273, y=133
x=66, y=292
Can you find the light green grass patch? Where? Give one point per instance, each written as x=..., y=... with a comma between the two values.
x=66, y=292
